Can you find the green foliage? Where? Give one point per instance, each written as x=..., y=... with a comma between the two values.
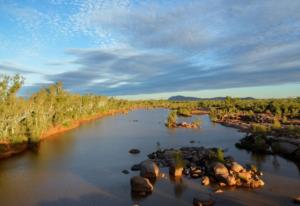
x=220, y=155
x=276, y=124
x=179, y=162
x=197, y=122
x=172, y=118
x=184, y=112
x=259, y=129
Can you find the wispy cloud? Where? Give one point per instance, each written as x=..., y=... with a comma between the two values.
x=133, y=47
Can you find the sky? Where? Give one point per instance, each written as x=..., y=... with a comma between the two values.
x=154, y=48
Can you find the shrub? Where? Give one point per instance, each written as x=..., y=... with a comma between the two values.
x=197, y=122
x=178, y=157
x=220, y=155
x=259, y=129
x=276, y=124
x=184, y=112
x=172, y=118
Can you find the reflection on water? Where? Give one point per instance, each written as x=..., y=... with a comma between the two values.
x=84, y=166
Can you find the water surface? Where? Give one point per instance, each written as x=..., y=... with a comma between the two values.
x=83, y=166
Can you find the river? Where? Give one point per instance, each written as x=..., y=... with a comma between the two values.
x=84, y=166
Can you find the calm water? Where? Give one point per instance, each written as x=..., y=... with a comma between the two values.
x=83, y=166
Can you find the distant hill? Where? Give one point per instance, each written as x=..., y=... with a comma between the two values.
x=184, y=98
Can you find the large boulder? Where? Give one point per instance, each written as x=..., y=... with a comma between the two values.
x=149, y=169
x=140, y=185
x=284, y=148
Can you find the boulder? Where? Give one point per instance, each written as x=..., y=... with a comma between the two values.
x=205, y=181
x=256, y=183
x=230, y=180
x=284, y=148
x=140, y=185
x=175, y=171
x=236, y=167
x=149, y=169
x=220, y=169
x=200, y=202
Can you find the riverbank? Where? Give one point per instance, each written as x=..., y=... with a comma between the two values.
x=8, y=149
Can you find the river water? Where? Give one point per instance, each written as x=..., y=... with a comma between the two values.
x=84, y=166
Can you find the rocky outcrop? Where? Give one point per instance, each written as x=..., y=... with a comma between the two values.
x=140, y=186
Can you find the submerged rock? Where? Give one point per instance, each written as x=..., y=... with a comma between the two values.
x=125, y=172
x=140, y=186
x=136, y=167
x=134, y=151
x=149, y=169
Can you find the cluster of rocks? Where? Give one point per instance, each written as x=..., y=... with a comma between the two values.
x=208, y=164
x=195, y=162
x=289, y=148
x=187, y=125
x=192, y=125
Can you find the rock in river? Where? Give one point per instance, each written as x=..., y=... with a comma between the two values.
x=175, y=171
x=205, y=181
x=134, y=151
x=140, y=186
x=149, y=169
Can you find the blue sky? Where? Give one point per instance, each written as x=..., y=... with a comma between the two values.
x=154, y=48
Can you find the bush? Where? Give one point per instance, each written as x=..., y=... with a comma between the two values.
x=197, y=122
x=276, y=124
x=172, y=118
x=259, y=129
x=220, y=155
x=184, y=112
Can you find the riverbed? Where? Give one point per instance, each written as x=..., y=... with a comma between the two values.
x=84, y=166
